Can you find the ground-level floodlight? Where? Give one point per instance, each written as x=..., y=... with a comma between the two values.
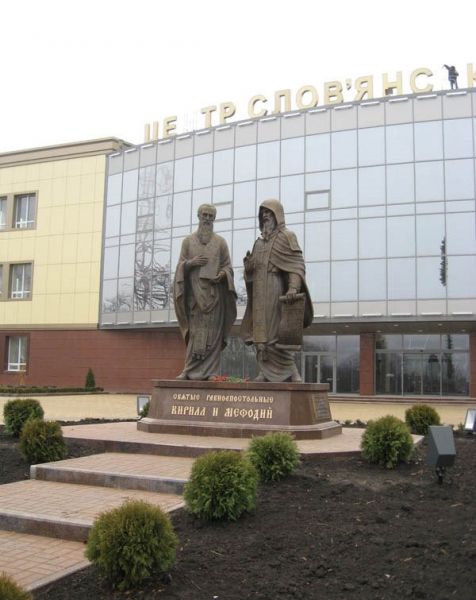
x=441, y=449
x=142, y=400
x=470, y=421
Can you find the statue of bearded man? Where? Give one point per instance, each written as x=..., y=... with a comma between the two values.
x=275, y=268
x=204, y=297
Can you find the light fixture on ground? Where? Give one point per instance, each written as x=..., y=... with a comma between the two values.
x=441, y=449
x=470, y=420
x=142, y=401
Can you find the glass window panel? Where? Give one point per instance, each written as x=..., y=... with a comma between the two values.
x=318, y=277
x=183, y=174
x=401, y=236
x=429, y=278
x=113, y=220
x=430, y=234
x=292, y=156
x=145, y=207
x=319, y=343
x=421, y=342
x=243, y=242
x=128, y=218
x=317, y=200
x=461, y=276
x=371, y=186
x=245, y=200
x=460, y=233
x=318, y=181
x=429, y=181
x=371, y=146
x=372, y=238
x=202, y=170
x=388, y=342
x=147, y=182
x=163, y=216
x=400, y=184
x=129, y=185
x=182, y=204
x=292, y=193
x=348, y=375
x=245, y=163
x=109, y=296
x=401, y=278
x=17, y=352
x=268, y=160
x=455, y=374
x=318, y=237
x=372, y=280
x=344, y=149
x=344, y=239
x=125, y=295
x=176, y=249
x=388, y=373
x=318, y=152
x=111, y=261
x=164, y=178
x=459, y=179
x=344, y=281
x=428, y=140
x=20, y=281
x=223, y=167
x=399, y=141
x=455, y=341
x=266, y=189
x=244, y=223
x=126, y=260
x=344, y=188
x=223, y=194
x=458, y=138
x=114, y=189
x=223, y=211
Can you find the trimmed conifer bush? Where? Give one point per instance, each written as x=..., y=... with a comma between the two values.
x=419, y=418
x=42, y=441
x=387, y=441
x=131, y=543
x=90, y=382
x=17, y=412
x=222, y=485
x=9, y=590
x=274, y=455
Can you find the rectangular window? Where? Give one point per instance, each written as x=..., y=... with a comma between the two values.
x=3, y=212
x=20, y=281
x=17, y=346
x=24, y=211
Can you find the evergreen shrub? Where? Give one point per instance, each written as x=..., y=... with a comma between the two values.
x=387, y=441
x=222, y=485
x=9, y=590
x=131, y=543
x=419, y=418
x=42, y=441
x=274, y=455
x=17, y=412
x=90, y=382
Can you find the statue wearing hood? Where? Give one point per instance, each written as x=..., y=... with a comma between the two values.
x=204, y=297
x=274, y=269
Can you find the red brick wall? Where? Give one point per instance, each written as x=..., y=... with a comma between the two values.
x=367, y=364
x=123, y=361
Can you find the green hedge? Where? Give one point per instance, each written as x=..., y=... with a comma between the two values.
x=17, y=412
x=42, y=441
x=387, y=441
x=419, y=418
x=274, y=455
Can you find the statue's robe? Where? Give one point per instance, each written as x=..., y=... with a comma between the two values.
x=205, y=311
x=276, y=260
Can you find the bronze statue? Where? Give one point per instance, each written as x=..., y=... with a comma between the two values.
x=279, y=304
x=204, y=297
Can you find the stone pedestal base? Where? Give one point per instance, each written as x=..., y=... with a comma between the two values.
x=240, y=409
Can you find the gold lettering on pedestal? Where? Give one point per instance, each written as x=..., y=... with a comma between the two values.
x=189, y=411
x=249, y=413
x=185, y=396
x=239, y=398
x=215, y=411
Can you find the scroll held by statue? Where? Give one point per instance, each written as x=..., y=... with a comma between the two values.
x=292, y=322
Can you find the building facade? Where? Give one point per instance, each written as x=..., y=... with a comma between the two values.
x=381, y=195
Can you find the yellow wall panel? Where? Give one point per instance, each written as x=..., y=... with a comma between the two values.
x=53, y=279
x=57, y=220
x=60, y=168
x=38, y=308
x=40, y=278
x=83, y=278
x=71, y=220
x=82, y=308
x=70, y=248
x=66, y=308
x=55, y=248
x=73, y=190
x=58, y=191
x=68, y=278
x=46, y=170
x=52, y=309
x=85, y=241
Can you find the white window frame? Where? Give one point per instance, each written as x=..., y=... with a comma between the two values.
x=20, y=294
x=18, y=222
x=4, y=221
x=15, y=363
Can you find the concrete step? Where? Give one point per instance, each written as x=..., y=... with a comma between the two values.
x=34, y=561
x=167, y=474
x=66, y=510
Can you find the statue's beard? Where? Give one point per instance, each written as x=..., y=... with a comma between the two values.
x=268, y=228
x=205, y=231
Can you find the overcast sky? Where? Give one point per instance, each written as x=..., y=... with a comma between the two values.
x=78, y=70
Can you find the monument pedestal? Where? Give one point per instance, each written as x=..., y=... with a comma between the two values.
x=245, y=409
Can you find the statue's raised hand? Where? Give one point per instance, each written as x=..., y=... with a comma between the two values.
x=197, y=261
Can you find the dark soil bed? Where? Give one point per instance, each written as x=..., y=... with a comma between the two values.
x=337, y=529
